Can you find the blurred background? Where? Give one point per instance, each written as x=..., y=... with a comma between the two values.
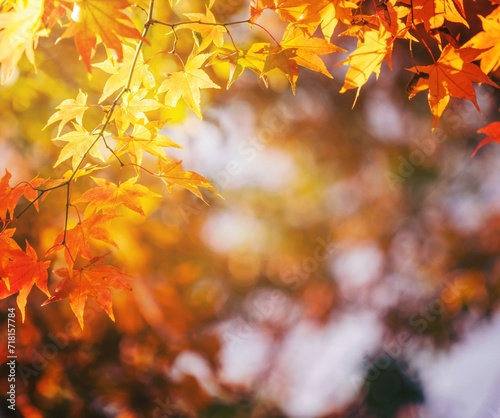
x=351, y=270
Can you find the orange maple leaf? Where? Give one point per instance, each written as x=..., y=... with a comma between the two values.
x=93, y=280
x=10, y=196
x=434, y=13
x=7, y=245
x=493, y=132
x=107, y=196
x=327, y=14
x=489, y=39
x=297, y=48
x=257, y=7
x=451, y=76
x=104, y=19
x=77, y=241
x=20, y=271
x=173, y=174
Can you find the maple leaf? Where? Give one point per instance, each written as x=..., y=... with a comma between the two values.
x=173, y=174
x=362, y=24
x=493, y=132
x=489, y=40
x=188, y=83
x=74, y=175
x=10, y=196
x=19, y=32
x=451, y=76
x=289, y=10
x=434, y=13
x=254, y=59
x=283, y=60
x=77, y=242
x=8, y=202
x=28, y=190
x=107, y=196
x=79, y=143
x=120, y=71
x=367, y=58
x=53, y=10
x=104, y=19
x=7, y=246
x=396, y=19
x=145, y=138
x=297, y=48
x=211, y=33
x=69, y=109
x=327, y=14
x=257, y=7
x=20, y=271
x=307, y=49
x=132, y=108
x=94, y=280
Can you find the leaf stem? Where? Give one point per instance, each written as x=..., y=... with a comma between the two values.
x=68, y=204
x=101, y=134
x=199, y=22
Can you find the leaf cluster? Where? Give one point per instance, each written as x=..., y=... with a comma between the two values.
x=138, y=100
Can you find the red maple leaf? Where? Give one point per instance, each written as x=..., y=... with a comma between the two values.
x=77, y=242
x=493, y=132
x=93, y=280
x=10, y=196
x=20, y=271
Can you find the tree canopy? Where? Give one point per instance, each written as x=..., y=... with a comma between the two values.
x=105, y=107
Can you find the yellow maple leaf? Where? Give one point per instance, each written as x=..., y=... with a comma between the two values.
x=367, y=58
x=69, y=109
x=186, y=84
x=145, y=138
x=211, y=33
x=254, y=59
x=79, y=143
x=133, y=108
x=120, y=71
x=488, y=39
x=172, y=174
x=19, y=33
x=307, y=49
x=327, y=14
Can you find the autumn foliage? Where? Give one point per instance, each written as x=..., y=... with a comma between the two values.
x=120, y=76
x=137, y=98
